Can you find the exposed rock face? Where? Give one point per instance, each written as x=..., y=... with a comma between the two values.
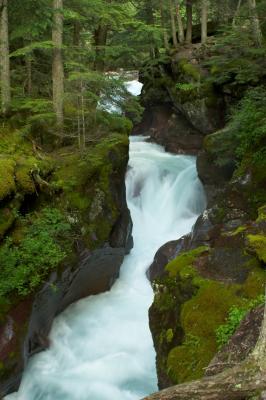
x=240, y=345
x=97, y=206
x=198, y=278
x=196, y=281
x=181, y=105
x=170, y=129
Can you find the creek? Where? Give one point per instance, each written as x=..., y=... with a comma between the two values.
x=101, y=347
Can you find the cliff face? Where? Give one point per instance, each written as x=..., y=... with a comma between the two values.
x=67, y=212
x=182, y=106
x=219, y=269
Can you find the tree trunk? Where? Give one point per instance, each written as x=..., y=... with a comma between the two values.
x=181, y=35
x=236, y=13
x=189, y=21
x=4, y=55
x=29, y=74
x=173, y=24
x=76, y=33
x=149, y=18
x=165, y=35
x=100, y=40
x=58, y=68
x=255, y=23
x=204, y=21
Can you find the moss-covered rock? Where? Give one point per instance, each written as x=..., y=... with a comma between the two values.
x=7, y=177
x=193, y=299
x=87, y=184
x=258, y=244
x=53, y=267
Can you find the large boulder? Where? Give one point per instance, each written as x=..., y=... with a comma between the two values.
x=197, y=280
x=171, y=129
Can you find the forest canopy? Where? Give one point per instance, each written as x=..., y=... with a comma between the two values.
x=55, y=57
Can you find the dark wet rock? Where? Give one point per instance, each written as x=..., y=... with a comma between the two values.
x=171, y=129
x=240, y=345
x=165, y=254
x=96, y=273
x=212, y=174
x=92, y=267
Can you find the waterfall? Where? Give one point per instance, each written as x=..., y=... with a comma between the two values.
x=101, y=347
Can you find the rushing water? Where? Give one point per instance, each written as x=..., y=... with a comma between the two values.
x=101, y=346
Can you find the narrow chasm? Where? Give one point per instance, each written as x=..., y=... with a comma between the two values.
x=101, y=347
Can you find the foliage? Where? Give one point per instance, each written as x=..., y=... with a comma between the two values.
x=234, y=59
x=44, y=245
x=235, y=316
x=248, y=126
x=187, y=87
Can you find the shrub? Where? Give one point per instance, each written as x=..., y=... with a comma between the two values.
x=248, y=124
x=235, y=316
x=25, y=265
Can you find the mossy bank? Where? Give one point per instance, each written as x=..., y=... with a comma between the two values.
x=206, y=282
x=64, y=230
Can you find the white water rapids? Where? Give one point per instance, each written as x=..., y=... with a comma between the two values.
x=101, y=347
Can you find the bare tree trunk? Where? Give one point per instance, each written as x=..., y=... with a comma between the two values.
x=173, y=24
x=78, y=133
x=4, y=56
x=165, y=34
x=76, y=33
x=189, y=21
x=100, y=40
x=58, y=68
x=149, y=18
x=83, y=117
x=204, y=21
x=29, y=74
x=181, y=35
x=236, y=13
x=255, y=23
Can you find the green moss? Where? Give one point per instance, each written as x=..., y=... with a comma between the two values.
x=201, y=314
x=169, y=335
x=7, y=218
x=200, y=317
x=235, y=316
x=186, y=362
x=257, y=244
x=255, y=283
x=86, y=180
x=189, y=69
x=182, y=264
x=238, y=231
x=79, y=201
x=261, y=214
x=7, y=175
x=25, y=169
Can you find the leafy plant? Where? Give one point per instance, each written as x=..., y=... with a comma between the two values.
x=25, y=265
x=187, y=87
x=248, y=126
x=235, y=316
x=234, y=58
